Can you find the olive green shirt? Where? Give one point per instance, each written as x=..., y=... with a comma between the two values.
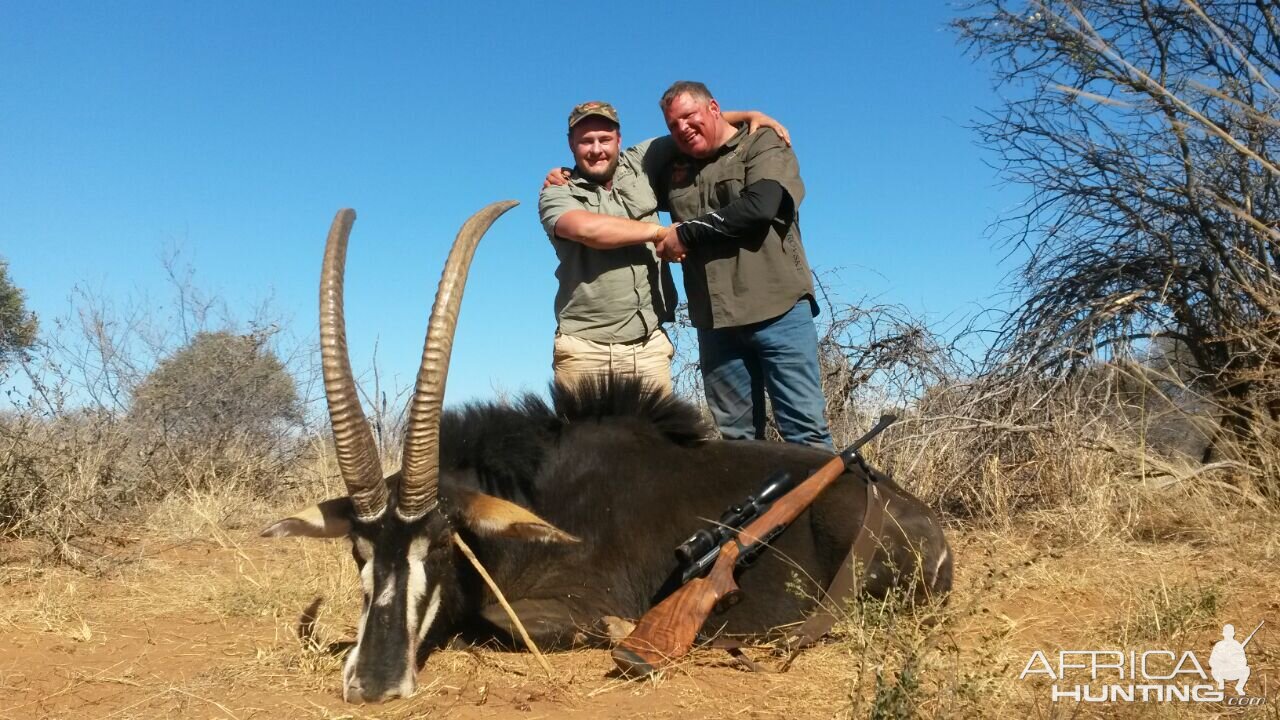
x=620, y=294
x=743, y=280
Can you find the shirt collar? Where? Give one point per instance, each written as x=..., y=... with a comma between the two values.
x=737, y=138
x=577, y=179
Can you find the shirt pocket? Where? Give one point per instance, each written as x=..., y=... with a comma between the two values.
x=728, y=186
x=636, y=197
x=685, y=203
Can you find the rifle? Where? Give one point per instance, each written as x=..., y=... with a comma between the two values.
x=698, y=554
x=668, y=631
x=1255, y=632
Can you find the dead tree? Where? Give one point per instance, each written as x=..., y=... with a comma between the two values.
x=1147, y=134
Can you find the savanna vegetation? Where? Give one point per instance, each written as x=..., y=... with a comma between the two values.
x=1105, y=444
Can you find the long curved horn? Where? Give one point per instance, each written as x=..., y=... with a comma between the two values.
x=352, y=437
x=421, y=470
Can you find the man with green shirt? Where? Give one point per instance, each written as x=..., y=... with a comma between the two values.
x=750, y=292
x=614, y=292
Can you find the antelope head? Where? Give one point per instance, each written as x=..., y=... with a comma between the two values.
x=400, y=529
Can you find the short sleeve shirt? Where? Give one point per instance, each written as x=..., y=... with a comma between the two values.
x=620, y=294
x=737, y=282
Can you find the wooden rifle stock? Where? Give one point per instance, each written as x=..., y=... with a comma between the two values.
x=667, y=632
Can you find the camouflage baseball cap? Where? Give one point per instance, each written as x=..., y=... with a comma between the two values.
x=594, y=107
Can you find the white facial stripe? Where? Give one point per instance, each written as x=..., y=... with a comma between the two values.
x=349, y=669
x=418, y=549
x=415, y=589
x=946, y=553
x=416, y=586
x=364, y=549
x=432, y=608
x=388, y=593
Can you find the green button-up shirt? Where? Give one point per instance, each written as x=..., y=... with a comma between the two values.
x=621, y=294
x=747, y=279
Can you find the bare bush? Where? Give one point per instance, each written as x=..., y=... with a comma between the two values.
x=118, y=406
x=1146, y=133
x=873, y=357
x=58, y=472
x=878, y=358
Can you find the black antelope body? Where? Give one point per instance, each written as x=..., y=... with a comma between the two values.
x=573, y=505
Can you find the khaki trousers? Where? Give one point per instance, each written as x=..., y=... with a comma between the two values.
x=576, y=358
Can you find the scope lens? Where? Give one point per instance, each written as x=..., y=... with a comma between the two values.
x=695, y=547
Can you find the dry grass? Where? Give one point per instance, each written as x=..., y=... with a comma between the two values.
x=1070, y=530
x=1110, y=592
x=199, y=621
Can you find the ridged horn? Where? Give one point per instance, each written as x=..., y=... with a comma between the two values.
x=352, y=437
x=420, y=473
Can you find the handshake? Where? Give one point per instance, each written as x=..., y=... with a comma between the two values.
x=666, y=241
x=602, y=231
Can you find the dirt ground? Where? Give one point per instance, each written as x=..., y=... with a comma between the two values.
x=204, y=628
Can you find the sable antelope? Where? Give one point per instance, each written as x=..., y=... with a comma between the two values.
x=573, y=505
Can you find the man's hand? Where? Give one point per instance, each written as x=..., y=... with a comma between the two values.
x=757, y=120
x=669, y=246
x=559, y=176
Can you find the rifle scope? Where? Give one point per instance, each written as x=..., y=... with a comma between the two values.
x=732, y=520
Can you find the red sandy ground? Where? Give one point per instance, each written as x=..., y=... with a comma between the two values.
x=202, y=629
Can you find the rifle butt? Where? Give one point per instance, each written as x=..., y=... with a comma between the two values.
x=667, y=632
x=657, y=644
x=634, y=664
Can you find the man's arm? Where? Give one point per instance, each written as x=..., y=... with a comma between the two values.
x=563, y=217
x=769, y=159
x=604, y=232
x=654, y=154
x=773, y=190
x=756, y=120
x=759, y=204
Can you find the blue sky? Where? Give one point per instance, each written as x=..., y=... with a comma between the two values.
x=235, y=130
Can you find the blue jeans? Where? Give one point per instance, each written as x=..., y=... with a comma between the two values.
x=778, y=356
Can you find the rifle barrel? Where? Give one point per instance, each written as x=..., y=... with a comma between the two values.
x=1255, y=632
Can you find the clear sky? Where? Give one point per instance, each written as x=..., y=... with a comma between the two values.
x=235, y=130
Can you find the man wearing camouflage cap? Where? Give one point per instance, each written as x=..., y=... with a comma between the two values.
x=614, y=293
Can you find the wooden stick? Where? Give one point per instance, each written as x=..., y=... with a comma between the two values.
x=524, y=634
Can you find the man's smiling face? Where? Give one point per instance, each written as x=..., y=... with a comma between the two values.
x=594, y=142
x=694, y=124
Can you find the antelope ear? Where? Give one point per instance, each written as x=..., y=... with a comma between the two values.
x=489, y=516
x=328, y=519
